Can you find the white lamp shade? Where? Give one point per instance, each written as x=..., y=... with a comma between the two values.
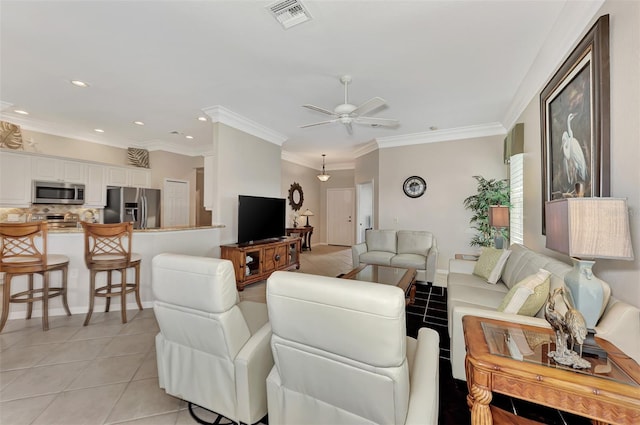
x=589, y=228
x=323, y=177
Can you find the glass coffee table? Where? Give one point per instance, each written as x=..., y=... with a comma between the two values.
x=387, y=275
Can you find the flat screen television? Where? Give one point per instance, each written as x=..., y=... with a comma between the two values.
x=260, y=218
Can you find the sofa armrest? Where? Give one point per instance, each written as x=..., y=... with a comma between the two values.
x=356, y=250
x=458, y=348
x=431, y=263
x=424, y=378
x=620, y=325
x=461, y=266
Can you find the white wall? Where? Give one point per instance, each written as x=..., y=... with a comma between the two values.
x=245, y=165
x=624, y=37
x=306, y=178
x=447, y=167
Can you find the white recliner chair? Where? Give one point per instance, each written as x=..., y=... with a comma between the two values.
x=342, y=355
x=212, y=350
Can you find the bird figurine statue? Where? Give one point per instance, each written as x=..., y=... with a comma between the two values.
x=571, y=324
x=574, y=323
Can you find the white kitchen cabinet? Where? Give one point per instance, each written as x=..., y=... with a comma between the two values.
x=56, y=169
x=131, y=177
x=95, y=192
x=139, y=177
x=15, y=180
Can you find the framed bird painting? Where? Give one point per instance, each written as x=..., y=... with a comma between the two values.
x=574, y=116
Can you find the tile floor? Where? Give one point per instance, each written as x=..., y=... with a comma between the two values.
x=104, y=373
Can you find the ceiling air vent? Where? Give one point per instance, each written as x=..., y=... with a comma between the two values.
x=289, y=12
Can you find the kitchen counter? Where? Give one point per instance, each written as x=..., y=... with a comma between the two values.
x=158, y=230
x=193, y=240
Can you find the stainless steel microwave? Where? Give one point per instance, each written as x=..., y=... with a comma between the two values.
x=44, y=192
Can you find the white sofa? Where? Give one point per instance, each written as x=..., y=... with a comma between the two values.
x=468, y=294
x=399, y=248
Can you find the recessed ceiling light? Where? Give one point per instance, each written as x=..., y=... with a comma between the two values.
x=202, y=118
x=98, y=130
x=188, y=137
x=79, y=83
x=138, y=123
x=20, y=111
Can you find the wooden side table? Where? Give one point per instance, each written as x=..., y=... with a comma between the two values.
x=511, y=359
x=305, y=233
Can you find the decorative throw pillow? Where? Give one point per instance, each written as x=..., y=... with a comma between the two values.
x=527, y=296
x=491, y=263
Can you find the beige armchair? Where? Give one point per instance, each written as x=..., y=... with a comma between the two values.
x=342, y=355
x=212, y=350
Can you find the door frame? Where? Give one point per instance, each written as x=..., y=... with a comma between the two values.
x=360, y=207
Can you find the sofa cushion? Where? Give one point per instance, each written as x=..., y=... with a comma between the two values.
x=414, y=242
x=381, y=240
x=490, y=264
x=528, y=296
x=377, y=257
x=409, y=260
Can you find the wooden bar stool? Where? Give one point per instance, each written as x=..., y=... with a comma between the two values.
x=23, y=251
x=107, y=248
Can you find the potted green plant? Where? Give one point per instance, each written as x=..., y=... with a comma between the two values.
x=489, y=192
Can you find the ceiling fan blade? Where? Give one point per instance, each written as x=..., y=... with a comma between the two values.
x=369, y=105
x=383, y=122
x=316, y=108
x=318, y=123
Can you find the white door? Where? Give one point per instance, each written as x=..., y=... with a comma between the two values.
x=365, y=209
x=175, y=203
x=340, y=212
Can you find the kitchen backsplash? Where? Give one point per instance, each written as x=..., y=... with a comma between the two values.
x=21, y=214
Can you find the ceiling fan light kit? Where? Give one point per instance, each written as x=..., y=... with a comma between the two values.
x=347, y=113
x=324, y=176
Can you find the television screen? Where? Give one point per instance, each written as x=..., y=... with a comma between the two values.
x=260, y=218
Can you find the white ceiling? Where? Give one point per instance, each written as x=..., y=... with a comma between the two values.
x=460, y=66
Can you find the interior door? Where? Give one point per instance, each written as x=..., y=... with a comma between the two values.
x=340, y=213
x=175, y=203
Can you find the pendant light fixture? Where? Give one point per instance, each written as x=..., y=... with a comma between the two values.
x=324, y=176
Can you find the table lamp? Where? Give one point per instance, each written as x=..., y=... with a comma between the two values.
x=585, y=229
x=499, y=218
x=307, y=214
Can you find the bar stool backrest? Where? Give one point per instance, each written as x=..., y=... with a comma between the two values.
x=23, y=247
x=107, y=245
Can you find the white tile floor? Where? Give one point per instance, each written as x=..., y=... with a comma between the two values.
x=104, y=373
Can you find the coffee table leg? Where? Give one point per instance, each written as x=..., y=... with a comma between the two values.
x=412, y=294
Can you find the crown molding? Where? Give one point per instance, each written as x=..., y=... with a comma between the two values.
x=570, y=26
x=227, y=117
x=458, y=133
x=365, y=149
x=296, y=159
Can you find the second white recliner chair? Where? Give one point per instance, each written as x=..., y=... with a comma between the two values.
x=212, y=350
x=342, y=355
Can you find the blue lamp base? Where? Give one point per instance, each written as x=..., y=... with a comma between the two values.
x=588, y=292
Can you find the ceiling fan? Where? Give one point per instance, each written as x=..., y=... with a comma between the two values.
x=346, y=113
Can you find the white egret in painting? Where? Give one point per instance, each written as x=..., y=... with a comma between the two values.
x=575, y=165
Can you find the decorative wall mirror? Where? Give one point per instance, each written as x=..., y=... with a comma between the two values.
x=295, y=196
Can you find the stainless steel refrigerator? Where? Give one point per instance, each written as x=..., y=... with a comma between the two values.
x=142, y=206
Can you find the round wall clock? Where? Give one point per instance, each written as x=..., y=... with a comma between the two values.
x=414, y=187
